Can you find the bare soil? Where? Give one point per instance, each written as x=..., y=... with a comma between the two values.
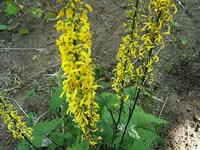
x=35, y=64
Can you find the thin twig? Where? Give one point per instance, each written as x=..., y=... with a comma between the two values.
x=7, y=90
x=21, y=108
x=163, y=106
x=39, y=118
x=37, y=49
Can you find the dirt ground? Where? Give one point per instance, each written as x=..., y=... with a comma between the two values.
x=28, y=72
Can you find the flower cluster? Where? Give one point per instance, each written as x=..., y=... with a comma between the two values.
x=13, y=120
x=127, y=51
x=155, y=26
x=75, y=48
x=137, y=53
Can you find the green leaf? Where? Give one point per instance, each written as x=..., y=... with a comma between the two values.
x=80, y=146
x=1, y=147
x=3, y=27
x=24, y=31
x=30, y=94
x=146, y=140
x=98, y=71
x=10, y=21
x=23, y=145
x=36, y=12
x=142, y=119
x=12, y=27
x=131, y=92
x=11, y=8
x=49, y=16
x=106, y=125
x=56, y=100
x=42, y=129
x=31, y=118
x=175, y=24
x=57, y=138
x=145, y=126
x=109, y=98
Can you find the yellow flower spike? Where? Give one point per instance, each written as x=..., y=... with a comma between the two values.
x=80, y=85
x=13, y=120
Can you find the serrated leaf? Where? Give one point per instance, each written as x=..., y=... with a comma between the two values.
x=109, y=98
x=56, y=101
x=42, y=129
x=140, y=118
x=3, y=27
x=23, y=145
x=145, y=126
x=146, y=140
x=57, y=138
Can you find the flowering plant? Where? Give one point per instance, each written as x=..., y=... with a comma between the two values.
x=92, y=120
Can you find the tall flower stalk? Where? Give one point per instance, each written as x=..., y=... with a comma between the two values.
x=127, y=52
x=75, y=49
x=138, y=52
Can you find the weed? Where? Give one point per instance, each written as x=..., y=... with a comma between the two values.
x=36, y=12
x=168, y=67
x=50, y=17
x=11, y=8
x=30, y=94
x=186, y=58
x=24, y=31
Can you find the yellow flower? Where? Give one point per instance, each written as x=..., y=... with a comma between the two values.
x=79, y=85
x=13, y=120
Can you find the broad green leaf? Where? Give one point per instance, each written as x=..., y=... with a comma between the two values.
x=106, y=125
x=140, y=118
x=146, y=140
x=109, y=98
x=56, y=100
x=3, y=27
x=57, y=138
x=131, y=92
x=145, y=126
x=42, y=129
x=23, y=145
x=80, y=146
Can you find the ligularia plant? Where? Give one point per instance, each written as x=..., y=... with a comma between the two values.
x=79, y=114
x=75, y=49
